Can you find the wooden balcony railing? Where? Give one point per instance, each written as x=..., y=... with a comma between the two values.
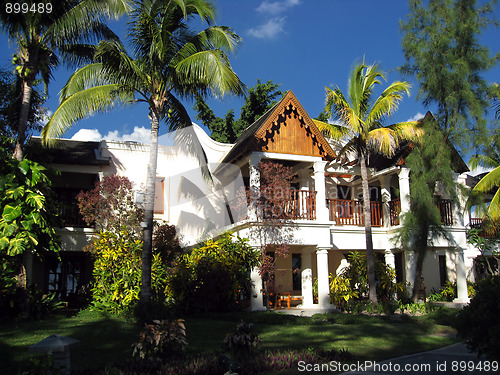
x=394, y=211
x=289, y=204
x=350, y=212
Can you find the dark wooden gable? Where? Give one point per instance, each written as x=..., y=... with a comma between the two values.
x=290, y=130
x=285, y=128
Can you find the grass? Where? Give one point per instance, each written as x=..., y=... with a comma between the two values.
x=108, y=339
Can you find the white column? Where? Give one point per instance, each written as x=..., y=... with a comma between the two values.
x=390, y=260
x=253, y=163
x=385, y=191
x=306, y=274
x=323, y=282
x=256, y=297
x=462, y=293
x=320, y=187
x=410, y=267
x=404, y=189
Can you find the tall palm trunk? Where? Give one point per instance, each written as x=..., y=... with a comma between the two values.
x=372, y=292
x=23, y=119
x=147, y=249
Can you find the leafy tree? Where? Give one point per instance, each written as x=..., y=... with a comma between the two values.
x=259, y=100
x=361, y=117
x=429, y=162
x=44, y=38
x=170, y=61
x=28, y=210
x=442, y=51
x=11, y=94
x=110, y=205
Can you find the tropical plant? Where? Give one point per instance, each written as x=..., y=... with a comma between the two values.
x=57, y=31
x=359, y=125
x=490, y=160
x=351, y=285
x=161, y=340
x=242, y=340
x=170, y=61
x=28, y=214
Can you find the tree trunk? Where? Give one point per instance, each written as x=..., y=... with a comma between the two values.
x=23, y=119
x=147, y=247
x=372, y=285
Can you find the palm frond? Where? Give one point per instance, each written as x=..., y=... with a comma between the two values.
x=483, y=161
x=383, y=141
x=203, y=70
x=407, y=130
x=81, y=105
x=339, y=107
x=489, y=181
x=88, y=76
x=387, y=103
x=333, y=131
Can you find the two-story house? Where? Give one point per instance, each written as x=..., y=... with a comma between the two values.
x=325, y=203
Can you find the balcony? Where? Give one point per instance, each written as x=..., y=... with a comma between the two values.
x=350, y=212
x=289, y=204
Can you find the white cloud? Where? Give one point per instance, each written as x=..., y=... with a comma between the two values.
x=417, y=117
x=140, y=134
x=269, y=30
x=276, y=7
x=87, y=135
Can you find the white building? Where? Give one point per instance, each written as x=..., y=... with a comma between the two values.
x=328, y=221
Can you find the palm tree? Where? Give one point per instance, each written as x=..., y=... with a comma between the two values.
x=491, y=159
x=60, y=30
x=360, y=126
x=170, y=62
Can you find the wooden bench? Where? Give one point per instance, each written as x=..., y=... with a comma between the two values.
x=288, y=298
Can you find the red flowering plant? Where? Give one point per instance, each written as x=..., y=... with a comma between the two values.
x=276, y=212
x=110, y=205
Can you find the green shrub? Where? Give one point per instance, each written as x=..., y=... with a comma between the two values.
x=214, y=276
x=117, y=272
x=478, y=324
x=242, y=341
x=449, y=292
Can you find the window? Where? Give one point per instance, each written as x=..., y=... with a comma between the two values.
x=443, y=274
x=159, y=195
x=296, y=274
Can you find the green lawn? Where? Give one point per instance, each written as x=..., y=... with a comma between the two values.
x=108, y=339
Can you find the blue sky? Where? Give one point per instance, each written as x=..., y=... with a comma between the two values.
x=304, y=45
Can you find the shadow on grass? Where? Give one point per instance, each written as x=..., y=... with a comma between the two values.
x=106, y=340
x=103, y=340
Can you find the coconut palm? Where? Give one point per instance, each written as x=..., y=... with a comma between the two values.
x=491, y=159
x=360, y=120
x=170, y=62
x=61, y=30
